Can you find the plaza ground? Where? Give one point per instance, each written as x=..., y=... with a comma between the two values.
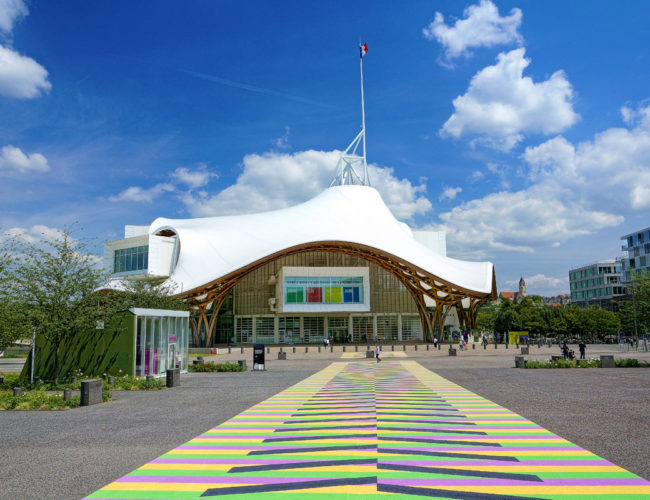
x=73, y=453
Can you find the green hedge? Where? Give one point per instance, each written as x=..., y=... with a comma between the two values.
x=216, y=367
x=584, y=363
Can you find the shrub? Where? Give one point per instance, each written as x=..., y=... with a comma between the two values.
x=128, y=383
x=216, y=367
x=627, y=363
x=564, y=363
x=36, y=400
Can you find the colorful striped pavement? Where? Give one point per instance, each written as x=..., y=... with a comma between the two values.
x=358, y=430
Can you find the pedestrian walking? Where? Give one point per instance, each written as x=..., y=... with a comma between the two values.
x=377, y=352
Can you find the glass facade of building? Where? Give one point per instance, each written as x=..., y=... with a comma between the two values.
x=596, y=283
x=161, y=342
x=340, y=297
x=636, y=253
x=131, y=259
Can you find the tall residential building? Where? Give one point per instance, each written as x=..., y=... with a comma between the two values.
x=636, y=253
x=596, y=284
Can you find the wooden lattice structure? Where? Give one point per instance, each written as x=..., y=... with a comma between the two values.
x=419, y=283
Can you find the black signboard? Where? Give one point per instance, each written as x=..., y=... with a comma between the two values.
x=258, y=357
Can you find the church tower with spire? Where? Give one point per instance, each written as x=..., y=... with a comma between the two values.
x=522, y=289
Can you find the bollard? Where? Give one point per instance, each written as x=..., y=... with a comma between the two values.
x=427, y=347
x=496, y=345
x=318, y=348
x=2, y=380
x=484, y=347
x=392, y=347
x=356, y=348
x=229, y=348
x=343, y=348
x=439, y=345
x=242, y=363
x=416, y=347
x=268, y=350
x=18, y=391
x=404, y=347
x=607, y=361
x=111, y=380
x=506, y=345
x=242, y=350
x=473, y=346
x=306, y=349
x=331, y=348
x=293, y=349
x=452, y=352
x=173, y=377
x=520, y=362
x=91, y=391
x=67, y=394
x=282, y=355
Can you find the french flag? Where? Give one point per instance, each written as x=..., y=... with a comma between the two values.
x=363, y=49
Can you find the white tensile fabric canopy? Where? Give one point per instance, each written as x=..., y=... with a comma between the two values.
x=213, y=247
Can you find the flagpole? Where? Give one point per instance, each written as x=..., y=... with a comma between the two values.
x=363, y=125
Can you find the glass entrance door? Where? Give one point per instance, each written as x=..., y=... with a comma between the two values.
x=171, y=358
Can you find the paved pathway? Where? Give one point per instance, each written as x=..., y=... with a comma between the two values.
x=358, y=429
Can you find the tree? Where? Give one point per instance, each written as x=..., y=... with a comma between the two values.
x=635, y=312
x=54, y=285
x=53, y=282
x=13, y=322
x=145, y=294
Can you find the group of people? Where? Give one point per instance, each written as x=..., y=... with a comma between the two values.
x=570, y=354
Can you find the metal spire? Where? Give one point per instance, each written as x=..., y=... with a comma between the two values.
x=346, y=173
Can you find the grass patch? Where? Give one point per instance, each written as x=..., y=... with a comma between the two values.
x=128, y=383
x=36, y=400
x=216, y=367
x=564, y=363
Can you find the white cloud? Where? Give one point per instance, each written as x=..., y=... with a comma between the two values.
x=21, y=77
x=541, y=280
x=574, y=190
x=481, y=27
x=501, y=104
x=539, y=284
x=34, y=233
x=278, y=180
x=13, y=160
x=196, y=178
x=138, y=194
x=10, y=11
x=449, y=193
x=477, y=175
x=282, y=142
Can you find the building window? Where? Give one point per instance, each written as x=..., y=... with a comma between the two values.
x=361, y=328
x=323, y=290
x=264, y=329
x=313, y=328
x=131, y=259
x=288, y=329
x=243, y=330
x=411, y=328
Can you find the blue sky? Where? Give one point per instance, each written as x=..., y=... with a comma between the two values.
x=521, y=128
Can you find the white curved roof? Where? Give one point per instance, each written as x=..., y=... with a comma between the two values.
x=213, y=247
